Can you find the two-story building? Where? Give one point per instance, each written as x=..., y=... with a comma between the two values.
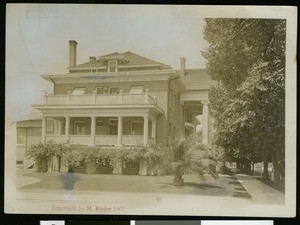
x=124, y=99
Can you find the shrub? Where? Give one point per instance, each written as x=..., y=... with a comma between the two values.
x=102, y=155
x=37, y=151
x=159, y=158
x=187, y=156
x=41, y=153
x=99, y=155
x=74, y=155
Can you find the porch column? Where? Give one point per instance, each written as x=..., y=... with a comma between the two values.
x=205, y=121
x=67, y=129
x=120, y=130
x=153, y=135
x=146, y=125
x=93, y=130
x=183, y=121
x=44, y=126
x=59, y=127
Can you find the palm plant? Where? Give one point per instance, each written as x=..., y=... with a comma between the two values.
x=191, y=156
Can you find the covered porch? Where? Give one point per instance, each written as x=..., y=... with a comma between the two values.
x=107, y=126
x=100, y=130
x=196, y=113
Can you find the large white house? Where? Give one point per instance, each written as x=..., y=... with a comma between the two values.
x=124, y=99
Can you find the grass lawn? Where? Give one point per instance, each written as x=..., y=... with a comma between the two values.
x=224, y=186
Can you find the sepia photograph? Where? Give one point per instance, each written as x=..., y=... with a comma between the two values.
x=150, y=110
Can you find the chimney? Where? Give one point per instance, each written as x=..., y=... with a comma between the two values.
x=72, y=53
x=92, y=58
x=182, y=66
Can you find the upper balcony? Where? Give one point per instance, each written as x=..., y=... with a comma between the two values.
x=100, y=99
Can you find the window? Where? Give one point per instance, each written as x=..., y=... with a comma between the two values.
x=78, y=91
x=114, y=90
x=99, y=123
x=113, y=121
x=136, y=89
x=137, y=127
x=172, y=100
x=49, y=126
x=112, y=66
x=100, y=90
x=113, y=126
x=21, y=136
x=101, y=126
x=80, y=127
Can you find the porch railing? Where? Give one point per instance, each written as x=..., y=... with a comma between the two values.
x=99, y=139
x=60, y=139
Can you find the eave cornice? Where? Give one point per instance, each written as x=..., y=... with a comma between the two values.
x=159, y=75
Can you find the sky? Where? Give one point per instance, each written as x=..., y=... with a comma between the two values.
x=38, y=35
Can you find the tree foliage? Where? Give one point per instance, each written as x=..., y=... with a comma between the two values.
x=247, y=58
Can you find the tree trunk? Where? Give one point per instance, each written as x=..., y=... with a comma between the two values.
x=266, y=162
x=276, y=167
x=249, y=168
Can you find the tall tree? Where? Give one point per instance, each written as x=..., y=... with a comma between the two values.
x=247, y=58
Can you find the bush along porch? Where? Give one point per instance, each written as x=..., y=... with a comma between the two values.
x=188, y=155
x=137, y=160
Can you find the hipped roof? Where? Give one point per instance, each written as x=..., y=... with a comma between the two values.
x=127, y=58
x=196, y=78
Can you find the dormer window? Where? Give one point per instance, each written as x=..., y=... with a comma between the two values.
x=112, y=66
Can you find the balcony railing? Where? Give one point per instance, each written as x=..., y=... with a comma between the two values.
x=95, y=99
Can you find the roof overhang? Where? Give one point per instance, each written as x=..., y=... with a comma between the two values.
x=110, y=77
x=194, y=95
x=100, y=110
x=29, y=123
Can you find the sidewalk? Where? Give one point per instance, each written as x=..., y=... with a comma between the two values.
x=260, y=192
